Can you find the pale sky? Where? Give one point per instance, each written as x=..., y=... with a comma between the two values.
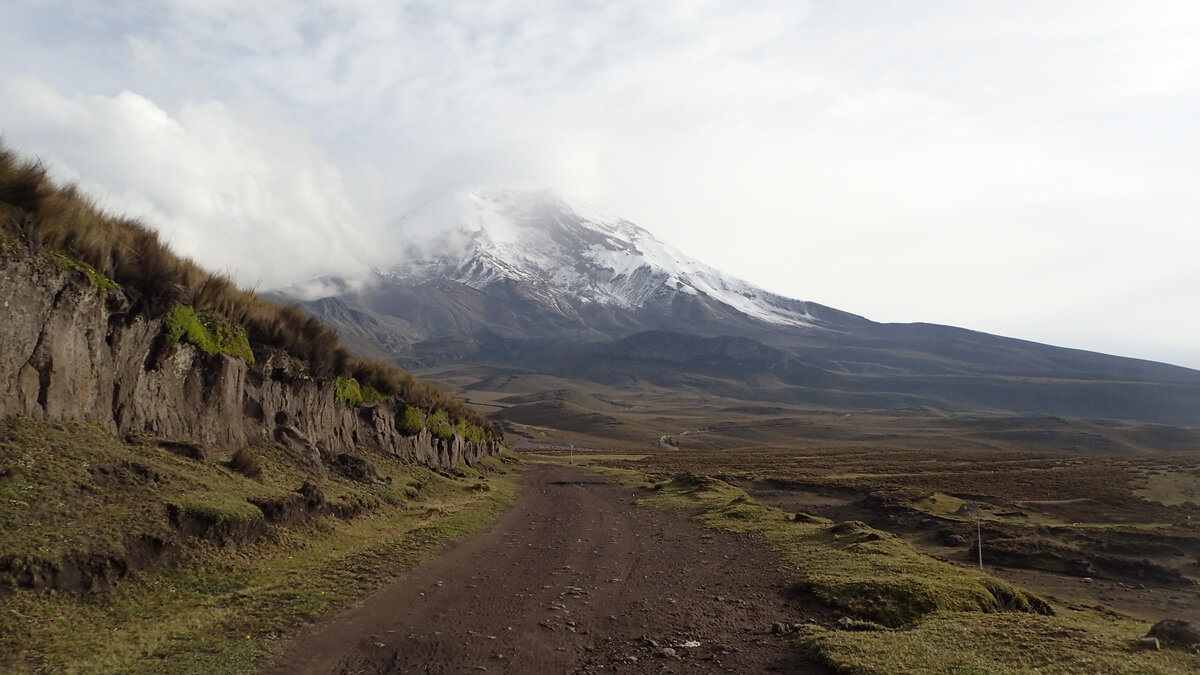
x=1025, y=168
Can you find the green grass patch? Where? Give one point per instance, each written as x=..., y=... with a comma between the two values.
x=347, y=390
x=216, y=609
x=965, y=643
x=866, y=573
x=1170, y=488
x=411, y=421
x=217, y=507
x=439, y=425
x=472, y=432
x=207, y=331
x=100, y=283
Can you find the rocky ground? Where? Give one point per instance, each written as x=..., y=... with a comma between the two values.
x=575, y=578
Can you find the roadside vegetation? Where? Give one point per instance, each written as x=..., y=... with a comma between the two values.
x=204, y=309
x=202, y=565
x=894, y=609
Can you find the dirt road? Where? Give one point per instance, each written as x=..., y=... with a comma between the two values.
x=574, y=578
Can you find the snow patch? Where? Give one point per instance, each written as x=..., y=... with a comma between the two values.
x=564, y=250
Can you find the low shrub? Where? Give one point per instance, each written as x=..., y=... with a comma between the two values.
x=472, y=432
x=438, y=424
x=347, y=390
x=410, y=422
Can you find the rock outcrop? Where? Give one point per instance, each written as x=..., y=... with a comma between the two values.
x=75, y=352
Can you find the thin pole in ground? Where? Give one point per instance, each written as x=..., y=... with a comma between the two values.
x=973, y=510
x=572, y=460
x=979, y=540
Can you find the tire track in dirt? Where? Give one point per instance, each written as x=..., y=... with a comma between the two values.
x=576, y=578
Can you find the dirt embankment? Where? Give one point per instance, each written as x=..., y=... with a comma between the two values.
x=575, y=578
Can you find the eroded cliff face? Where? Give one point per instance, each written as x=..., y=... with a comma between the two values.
x=71, y=352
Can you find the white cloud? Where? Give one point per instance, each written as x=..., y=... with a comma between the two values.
x=254, y=200
x=1007, y=166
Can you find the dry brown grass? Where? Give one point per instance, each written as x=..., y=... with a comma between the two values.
x=53, y=218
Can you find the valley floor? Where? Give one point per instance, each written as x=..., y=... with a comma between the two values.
x=575, y=578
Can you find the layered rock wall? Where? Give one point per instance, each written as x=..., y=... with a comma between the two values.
x=71, y=352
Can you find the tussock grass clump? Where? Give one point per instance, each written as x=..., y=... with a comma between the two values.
x=439, y=425
x=348, y=391
x=244, y=462
x=472, y=432
x=410, y=422
x=113, y=251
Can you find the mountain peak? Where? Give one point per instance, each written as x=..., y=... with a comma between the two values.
x=565, y=251
x=502, y=216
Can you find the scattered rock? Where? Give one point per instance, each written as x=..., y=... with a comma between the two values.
x=690, y=644
x=667, y=653
x=380, y=645
x=1148, y=643
x=955, y=540
x=1176, y=632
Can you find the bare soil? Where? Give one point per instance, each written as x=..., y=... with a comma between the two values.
x=576, y=578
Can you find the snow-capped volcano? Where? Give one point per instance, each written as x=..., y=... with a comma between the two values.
x=564, y=252
x=497, y=285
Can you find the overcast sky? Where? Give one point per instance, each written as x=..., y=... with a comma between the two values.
x=1026, y=168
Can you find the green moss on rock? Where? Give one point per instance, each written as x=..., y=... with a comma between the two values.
x=100, y=283
x=347, y=390
x=207, y=331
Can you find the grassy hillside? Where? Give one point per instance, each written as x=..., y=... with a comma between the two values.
x=147, y=554
x=205, y=309
x=266, y=553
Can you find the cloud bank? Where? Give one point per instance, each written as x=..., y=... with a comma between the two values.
x=1022, y=168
